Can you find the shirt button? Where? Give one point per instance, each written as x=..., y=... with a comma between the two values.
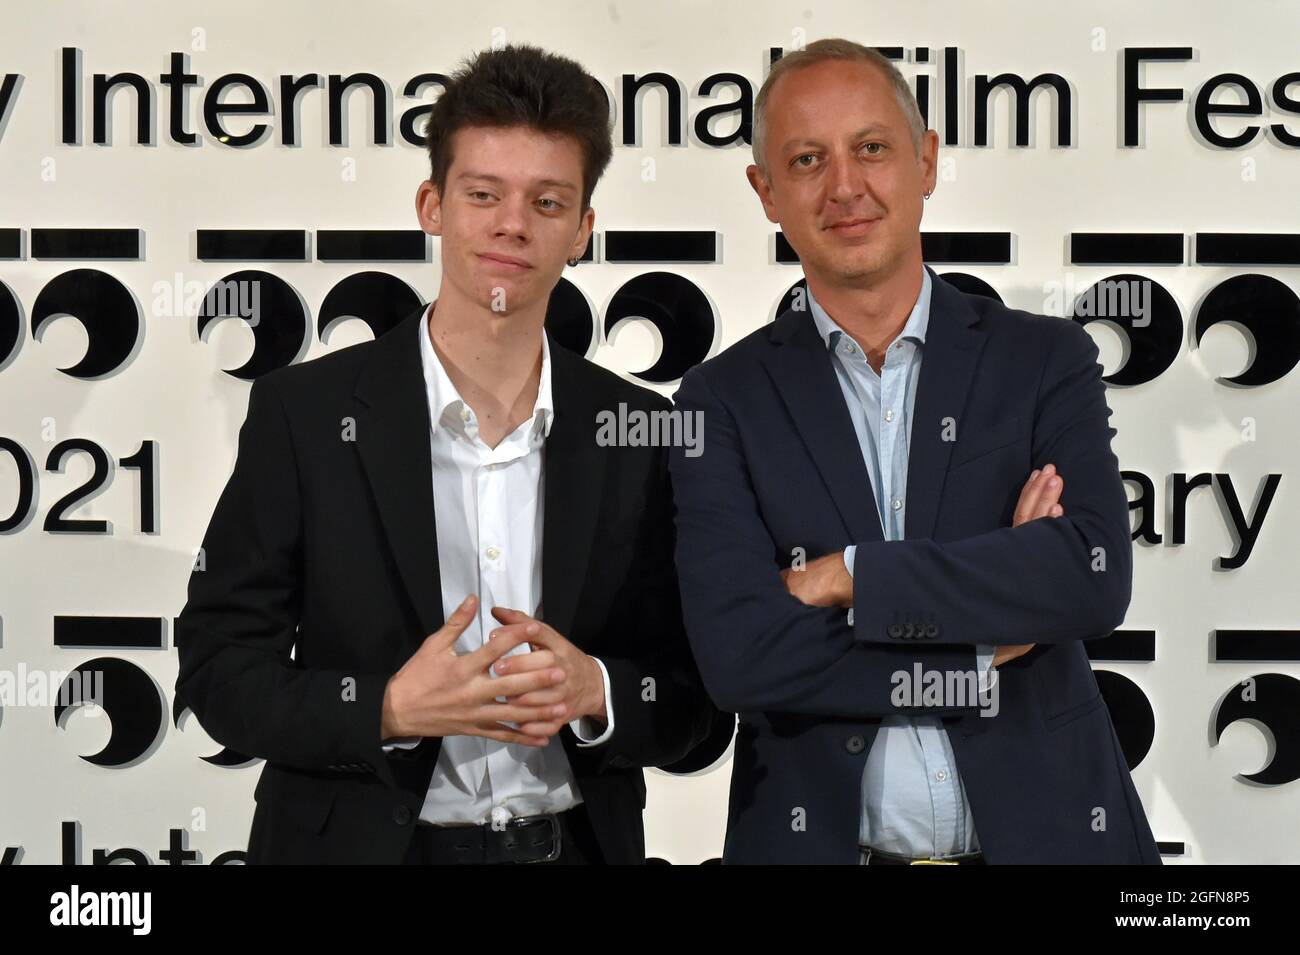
x=889, y=414
x=492, y=467
x=895, y=503
x=941, y=775
x=465, y=415
x=846, y=347
x=492, y=553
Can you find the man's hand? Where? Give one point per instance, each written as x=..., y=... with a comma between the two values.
x=582, y=693
x=824, y=582
x=438, y=692
x=1039, y=497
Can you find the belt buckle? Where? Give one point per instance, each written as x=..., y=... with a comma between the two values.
x=520, y=822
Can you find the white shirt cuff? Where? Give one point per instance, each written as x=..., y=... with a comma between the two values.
x=585, y=728
x=984, y=661
x=403, y=742
x=850, y=553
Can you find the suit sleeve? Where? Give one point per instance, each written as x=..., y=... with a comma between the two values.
x=240, y=621
x=660, y=707
x=1050, y=580
x=757, y=646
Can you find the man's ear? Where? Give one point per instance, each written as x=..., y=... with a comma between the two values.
x=764, y=189
x=585, y=227
x=428, y=208
x=929, y=159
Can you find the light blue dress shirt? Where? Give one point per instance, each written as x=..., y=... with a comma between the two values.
x=913, y=800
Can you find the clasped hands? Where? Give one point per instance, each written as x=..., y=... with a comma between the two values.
x=439, y=692
x=825, y=581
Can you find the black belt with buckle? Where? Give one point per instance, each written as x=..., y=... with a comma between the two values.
x=876, y=857
x=522, y=839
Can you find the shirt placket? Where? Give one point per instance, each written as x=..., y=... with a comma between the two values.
x=949, y=818
x=497, y=559
x=891, y=418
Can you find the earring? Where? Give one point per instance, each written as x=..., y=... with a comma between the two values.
x=573, y=261
x=928, y=194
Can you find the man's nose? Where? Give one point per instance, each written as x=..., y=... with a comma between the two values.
x=512, y=218
x=847, y=180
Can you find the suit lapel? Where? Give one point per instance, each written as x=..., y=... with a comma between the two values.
x=948, y=359
x=805, y=379
x=572, y=484
x=802, y=369
x=392, y=439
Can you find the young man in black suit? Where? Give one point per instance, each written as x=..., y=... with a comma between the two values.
x=479, y=596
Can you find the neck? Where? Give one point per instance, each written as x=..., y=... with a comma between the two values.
x=873, y=315
x=493, y=358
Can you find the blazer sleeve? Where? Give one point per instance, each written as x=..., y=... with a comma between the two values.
x=240, y=621
x=661, y=710
x=1050, y=580
x=757, y=646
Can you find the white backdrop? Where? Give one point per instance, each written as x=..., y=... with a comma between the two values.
x=173, y=389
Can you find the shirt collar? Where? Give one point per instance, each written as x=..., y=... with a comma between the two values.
x=444, y=400
x=917, y=322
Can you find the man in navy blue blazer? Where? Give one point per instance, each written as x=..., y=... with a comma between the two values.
x=869, y=581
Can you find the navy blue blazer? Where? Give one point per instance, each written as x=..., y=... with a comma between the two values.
x=1000, y=392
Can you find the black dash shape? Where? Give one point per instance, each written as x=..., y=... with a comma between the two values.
x=1126, y=248
x=87, y=243
x=1256, y=645
x=137, y=633
x=1247, y=248
x=1135, y=646
x=252, y=245
x=661, y=246
x=372, y=245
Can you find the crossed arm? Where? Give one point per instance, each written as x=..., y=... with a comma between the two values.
x=759, y=647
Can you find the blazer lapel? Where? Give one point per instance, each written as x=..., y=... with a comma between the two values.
x=392, y=438
x=572, y=484
x=948, y=359
x=805, y=379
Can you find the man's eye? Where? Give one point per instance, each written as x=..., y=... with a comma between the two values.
x=874, y=148
x=798, y=160
x=553, y=204
x=479, y=193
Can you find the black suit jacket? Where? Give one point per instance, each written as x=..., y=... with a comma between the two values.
x=323, y=541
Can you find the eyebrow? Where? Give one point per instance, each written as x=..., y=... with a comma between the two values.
x=497, y=180
x=868, y=130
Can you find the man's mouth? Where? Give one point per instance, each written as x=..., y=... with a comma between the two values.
x=854, y=226
x=507, y=263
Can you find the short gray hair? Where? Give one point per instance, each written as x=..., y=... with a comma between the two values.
x=835, y=49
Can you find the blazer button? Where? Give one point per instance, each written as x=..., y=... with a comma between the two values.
x=895, y=631
x=402, y=815
x=931, y=629
x=855, y=744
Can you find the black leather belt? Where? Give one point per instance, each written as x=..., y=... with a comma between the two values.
x=876, y=857
x=522, y=839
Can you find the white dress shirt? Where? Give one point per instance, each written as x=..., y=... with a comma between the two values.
x=488, y=512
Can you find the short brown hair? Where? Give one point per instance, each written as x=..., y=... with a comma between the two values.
x=834, y=49
x=519, y=85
